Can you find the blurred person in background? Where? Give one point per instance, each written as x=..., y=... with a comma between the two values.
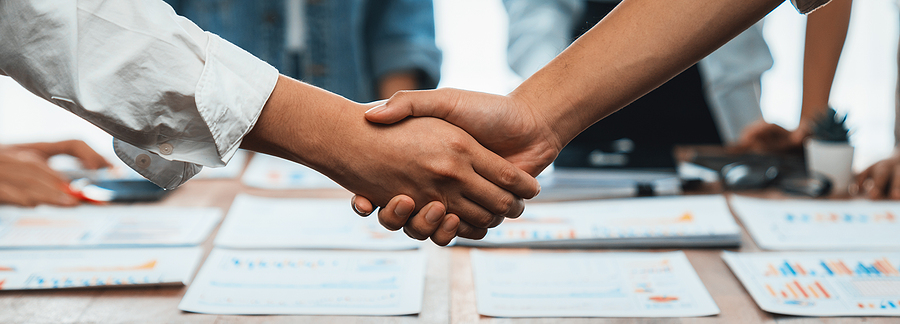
x=27, y=180
x=709, y=103
x=360, y=49
x=826, y=31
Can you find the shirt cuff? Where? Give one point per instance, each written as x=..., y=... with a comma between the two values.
x=162, y=172
x=231, y=93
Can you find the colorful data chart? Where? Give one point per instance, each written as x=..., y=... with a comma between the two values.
x=269, y=172
x=820, y=225
x=92, y=226
x=821, y=284
x=257, y=222
x=308, y=282
x=588, y=285
x=686, y=221
x=53, y=269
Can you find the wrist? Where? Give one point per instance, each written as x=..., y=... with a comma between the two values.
x=299, y=123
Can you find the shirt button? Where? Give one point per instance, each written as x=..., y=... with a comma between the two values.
x=165, y=148
x=142, y=161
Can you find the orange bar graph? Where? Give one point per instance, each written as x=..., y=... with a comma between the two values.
x=791, y=289
x=813, y=291
x=824, y=292
x=800, y=269
x=771, y=291
x=800, y=288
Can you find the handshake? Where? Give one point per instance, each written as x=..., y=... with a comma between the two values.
x=455, y=175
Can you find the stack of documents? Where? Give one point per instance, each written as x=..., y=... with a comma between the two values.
x=684, y=221
x=258, y=266
x=821, y=283
x=589, y=284
x=45, y=247
x=820, y=225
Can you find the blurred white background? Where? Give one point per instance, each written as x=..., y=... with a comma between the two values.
x=472, y=34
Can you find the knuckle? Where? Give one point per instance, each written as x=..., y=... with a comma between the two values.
x=508, y=176
x=496, y=221
x=444, y=169
x=505, y=205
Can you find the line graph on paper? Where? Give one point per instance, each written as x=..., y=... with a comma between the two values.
x=306, y=282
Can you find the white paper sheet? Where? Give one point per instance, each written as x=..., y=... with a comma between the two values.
x=821, y=283
x=111, y=226
x=269, y=172
x=51, y=269
x=588, y=285
x=121, y=171
x=820, y=224
x=688, y=221
x=308, y=282
x=257, y=222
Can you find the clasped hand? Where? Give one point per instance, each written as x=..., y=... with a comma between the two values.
x=503, y=124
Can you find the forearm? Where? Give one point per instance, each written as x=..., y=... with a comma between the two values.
x=826, y=30
x=298, y=122
x=638, y=46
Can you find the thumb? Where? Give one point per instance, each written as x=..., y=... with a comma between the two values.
x=430, y=103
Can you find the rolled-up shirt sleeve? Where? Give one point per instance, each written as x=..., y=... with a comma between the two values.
x=175, y=97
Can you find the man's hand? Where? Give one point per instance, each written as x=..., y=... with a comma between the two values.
x=882, y=179
x=27, y=180
x=426, y=159
x=89, y=158
x=763, y=137
x=500, y=123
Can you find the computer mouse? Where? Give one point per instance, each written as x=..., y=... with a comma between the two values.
x=742, y=176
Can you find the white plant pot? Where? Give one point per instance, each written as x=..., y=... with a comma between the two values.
x=832, y=159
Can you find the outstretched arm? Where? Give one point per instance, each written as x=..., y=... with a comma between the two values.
x=638, y=46
x=826, y=31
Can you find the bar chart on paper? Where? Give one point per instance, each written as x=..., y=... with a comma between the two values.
x=269, y=172
x=52, y=269
x=821, y=284
x=588, y=285
x=691, y=221
x=820, y=225
x=308, y=282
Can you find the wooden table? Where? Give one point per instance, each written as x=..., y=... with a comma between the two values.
x=449, y=291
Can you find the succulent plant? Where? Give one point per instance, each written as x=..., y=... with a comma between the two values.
x=830, y=127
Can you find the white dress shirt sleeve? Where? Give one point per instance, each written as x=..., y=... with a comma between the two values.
x=173, y=96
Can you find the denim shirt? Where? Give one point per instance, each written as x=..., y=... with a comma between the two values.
x=350, y=44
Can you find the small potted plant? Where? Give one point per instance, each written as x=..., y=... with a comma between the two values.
x=828, y=151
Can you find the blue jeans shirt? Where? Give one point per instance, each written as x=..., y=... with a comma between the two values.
x=350, y=44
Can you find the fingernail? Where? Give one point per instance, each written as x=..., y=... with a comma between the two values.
x=447, y=227
x=357, y=211
x=434, y=215
x=539, y=189
x=376, y=109
x=402, y=210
